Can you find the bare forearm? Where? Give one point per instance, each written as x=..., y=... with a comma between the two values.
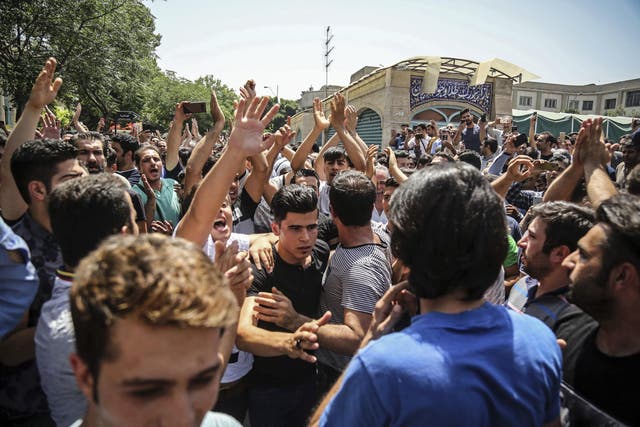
x=599, y=185
x=397, y=174
x=300, y=156
x=339, y=338
x=173, y=143
x=564, y=185
x=501, y=185
x=353, y=150
x=149, y=211
x=262, y=342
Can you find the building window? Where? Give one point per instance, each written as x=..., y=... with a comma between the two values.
x=550, y=103
x=609, y=104
x=587, y=105
x=574, y=104
x=633, y=99
x=525, y=101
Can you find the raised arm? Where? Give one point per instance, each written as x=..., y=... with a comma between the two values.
x=595, y=157
x=394, y=170
x=320, y=124
x=351, y=123
x=519, y=169
x=563, y=186
x=532, y=131
x=77, y=124
x=337, y=118
x=204, y=147
x=318, y=165
x=44, y=91
x=175, y=138
x=245, y=140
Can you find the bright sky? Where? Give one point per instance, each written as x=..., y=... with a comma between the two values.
x=280, y=44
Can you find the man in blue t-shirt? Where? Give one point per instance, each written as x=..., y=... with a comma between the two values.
x=462, y=361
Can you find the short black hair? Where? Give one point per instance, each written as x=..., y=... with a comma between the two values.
x=464, y=111
x=137, y=156
x=304, y=173
x=111, y=157
x=391, y=182
x=38, y=160
x=472, y=157
x=492, y=143
x=467, y=253
x=335, y=153
x=127, y=142
x=84, y=211
x=565, y=223
x=619, y=215
x=352, y=195
x=293, y=198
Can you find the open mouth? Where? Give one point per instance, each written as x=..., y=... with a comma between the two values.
x=220, y=225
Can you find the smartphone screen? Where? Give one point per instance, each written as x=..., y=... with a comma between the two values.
x=194, y=107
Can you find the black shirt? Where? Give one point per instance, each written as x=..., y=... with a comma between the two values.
x=302, y=286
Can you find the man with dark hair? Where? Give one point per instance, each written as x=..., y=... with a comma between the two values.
x=148, y=346
x=470, y=133
x=282, y=382
x=630, y=158
x=544, y=142
x=29, y=171
x=161, y=202
x=489, y=152
x=126, y=146
x=552, y=234
x=358, y=274
x=603, y=364
x=83, y=212
x=471, y=157
x=404, y=162
x=90, y=146
x=461, y=355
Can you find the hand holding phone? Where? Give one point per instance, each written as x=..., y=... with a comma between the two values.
x=194, y=107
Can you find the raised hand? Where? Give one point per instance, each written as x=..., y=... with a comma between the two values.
x=320, y=120
x=351, y=120
x=284, y=135
x=391, y=156
x=51, y=126
x=195, y=129
x=337, y=117
x=592, y=149
x=101, y=124
x=45, y=89
x=520, y=168
x=248, y=92
x=180, y=116
x=248, y=129
x=216, y=113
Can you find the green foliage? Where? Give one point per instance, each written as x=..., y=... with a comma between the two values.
x=63, y=114
x=288, y=108
x=165, y=90
x=105, y=50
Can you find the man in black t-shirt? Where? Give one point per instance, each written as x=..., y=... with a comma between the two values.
x=282, y=390
x=603, y=365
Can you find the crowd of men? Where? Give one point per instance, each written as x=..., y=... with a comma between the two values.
x=465, y=275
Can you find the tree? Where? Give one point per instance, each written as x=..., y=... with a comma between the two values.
x=288, y=108
x=167, y=89
x=105, y=50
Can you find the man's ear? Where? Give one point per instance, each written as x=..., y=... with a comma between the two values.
x=275, y=227
x=83, y=375
x=37, y=190
x=558, y=254
x=625, y=277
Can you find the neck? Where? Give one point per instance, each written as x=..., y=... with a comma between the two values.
x=554, y=280
x=450, y=304
x=38, y=212
x=127, y=166
x=156, y=185
x=619, y=336
x=355, y=236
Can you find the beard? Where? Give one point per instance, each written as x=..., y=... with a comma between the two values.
x=593, y=296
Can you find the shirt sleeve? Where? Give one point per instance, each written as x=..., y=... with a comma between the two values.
x=362, y=287
x=357, y=402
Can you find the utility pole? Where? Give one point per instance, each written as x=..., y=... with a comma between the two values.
x=327, y=63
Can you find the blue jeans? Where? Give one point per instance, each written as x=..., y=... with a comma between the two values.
x=281, y=406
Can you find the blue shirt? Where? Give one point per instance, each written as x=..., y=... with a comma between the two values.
x=484, y=367
x=18, y=279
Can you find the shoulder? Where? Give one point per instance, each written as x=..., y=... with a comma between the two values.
x=218, y=419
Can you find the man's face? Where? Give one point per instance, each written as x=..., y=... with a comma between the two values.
x=297, y=234
x=223, y=224
x=69, y=169
x=91, y=155
x=309, y=181
x=467, y=119
x=431, y=132
x=551, y=175
x=386, y=197
x=404, y=162
x=535, y=262
x=381, y=177
x=119, y=154
x=589, y=282
x=159, y=376
x=485, y=150
x=333, y=167
x=543, y=143
x=630, y=156
x=150, y=165
x=162, y=147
